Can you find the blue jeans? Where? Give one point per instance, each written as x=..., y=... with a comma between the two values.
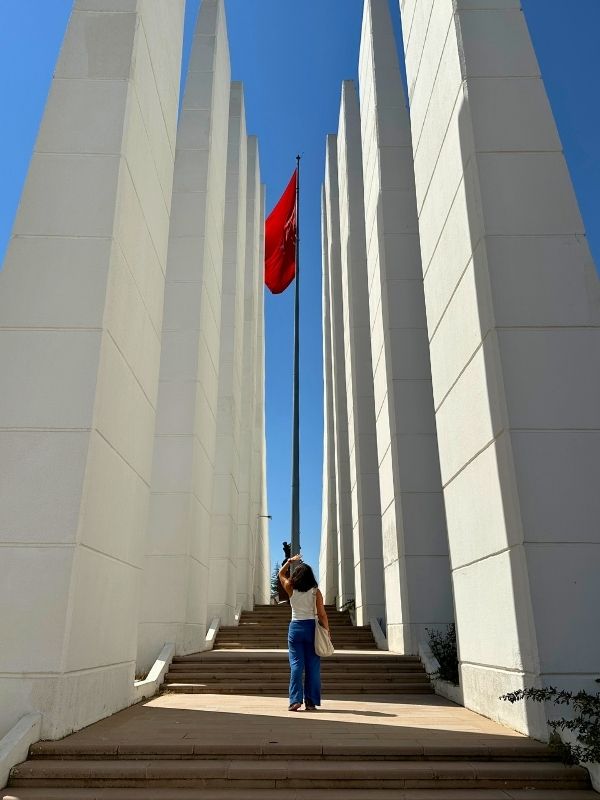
x=303, y=659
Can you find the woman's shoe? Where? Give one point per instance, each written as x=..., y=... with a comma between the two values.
x=308, y=707
x=295, y=706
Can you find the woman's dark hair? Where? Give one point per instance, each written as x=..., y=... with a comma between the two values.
x=303, y=578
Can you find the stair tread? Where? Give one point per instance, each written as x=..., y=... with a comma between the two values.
x=64, y=749
x=252, y=658
x=328, y=678
x=362, y=770
x=391, y=688
x=291, y=794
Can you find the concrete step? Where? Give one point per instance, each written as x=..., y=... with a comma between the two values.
x=260, y=631
x=230, y=645
x=251, y=636
x=385, y=750
x=267, y=633
x=282, y=607
x=207, y=669
x=273, y=688
x=285, y=609
x=280, y=619
x=296, y=774
x=367, y=660
x=302, y=794
x=329, y=676
x=264, y=642
x=283, y=625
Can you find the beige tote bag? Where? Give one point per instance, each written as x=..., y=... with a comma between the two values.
x=323, y=646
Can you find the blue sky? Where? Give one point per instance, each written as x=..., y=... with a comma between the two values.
x=292, y=56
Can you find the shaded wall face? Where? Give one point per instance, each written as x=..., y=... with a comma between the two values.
x=502, y=246
x=251, y=374
x=82, y=292
x=415, y=550
x=328, y=555
x=207, y=462
x=177, y=556
x=345, y=548
x=118, y=405
x=224, y=521
x=362, y=444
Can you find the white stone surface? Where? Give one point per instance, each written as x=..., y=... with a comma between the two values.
x=513, y=311
x=177, y=549
x=14, y=746
x=328, y=556
x=362, y=442
x=262, y=559
x=415, y=539
x=248, y=502
x=150, y=685
x=345, y=546
x=224, y=529
x=81, y=307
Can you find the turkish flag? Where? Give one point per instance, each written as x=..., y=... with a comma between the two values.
x=280, y=241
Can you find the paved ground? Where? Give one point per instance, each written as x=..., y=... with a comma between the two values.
x=210, y=723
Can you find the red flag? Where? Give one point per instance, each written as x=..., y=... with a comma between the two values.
x=280, y=241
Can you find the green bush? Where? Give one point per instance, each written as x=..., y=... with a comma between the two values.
x=584, y=721
x=443, y=647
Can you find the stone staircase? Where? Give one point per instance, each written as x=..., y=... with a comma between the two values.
x=245, y=661
x=266, y=628
x=268, y=673
x=387, y=736
x=201, y=773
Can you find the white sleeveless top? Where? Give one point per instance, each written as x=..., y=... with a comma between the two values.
x=303, y=604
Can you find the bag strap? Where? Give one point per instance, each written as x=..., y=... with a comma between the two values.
x=315, y=604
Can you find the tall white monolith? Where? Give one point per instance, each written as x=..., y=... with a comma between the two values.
x=345, y=555
x=328, y=558
x=248, y=512
x=417, y=570
x=224, y=522
x=513, y=315
x=81, y=300
x=362, y=437
x=262, y=565
x=174, y=600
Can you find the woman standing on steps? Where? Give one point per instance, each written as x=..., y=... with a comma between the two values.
x=305, y=595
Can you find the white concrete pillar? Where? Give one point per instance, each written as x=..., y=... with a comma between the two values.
x=174, y=600
x=345, y=546
x=417, y=570
x=328, y=558
x=262, y=560
x=513, y=315
x=81, y=301
x=251, y=374
x=362, y=437
x=223, y=538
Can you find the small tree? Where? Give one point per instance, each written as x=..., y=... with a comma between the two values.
x=275, y=580
x=584, y=721
x=443, y=647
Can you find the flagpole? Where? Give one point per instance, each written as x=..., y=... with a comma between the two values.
x=296, y=403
